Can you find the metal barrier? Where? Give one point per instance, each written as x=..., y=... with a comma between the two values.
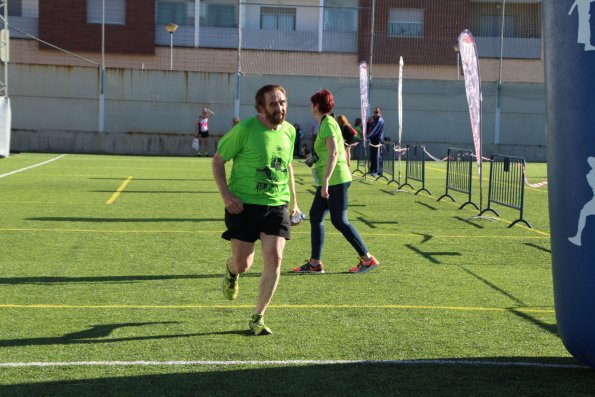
x=507, y=185
x=459, y=173
x=359, y=153
x=416, y=167
x=388, y=163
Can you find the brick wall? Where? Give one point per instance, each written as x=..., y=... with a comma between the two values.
x=64, y=24
x=443, y=22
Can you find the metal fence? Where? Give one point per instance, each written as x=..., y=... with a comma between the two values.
x=507, y=185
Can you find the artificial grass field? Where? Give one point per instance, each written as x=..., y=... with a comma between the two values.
x=124, y=298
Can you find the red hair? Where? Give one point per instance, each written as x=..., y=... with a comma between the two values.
x=325, y=101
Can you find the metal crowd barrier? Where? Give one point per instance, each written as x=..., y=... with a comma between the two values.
x=416, y=167
x=459, y=173
x=507, y=185
x=358, y=153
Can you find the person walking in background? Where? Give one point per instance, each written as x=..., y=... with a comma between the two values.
x=257, y=195
x=332, y=178
x=376, y=137
x=202, y=129
x=348, y=136
x=299, y=134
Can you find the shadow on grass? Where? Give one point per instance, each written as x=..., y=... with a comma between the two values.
x=426, y=237
x=119, y=220
x=551, y=328
x=538, y=247
x=48, y=280
x=159, y=191
x=99, y=334
x=431, y=255
x=468, y=221
x=426, y=205
x=372, y=224
x=499, y=376
x=159, y=179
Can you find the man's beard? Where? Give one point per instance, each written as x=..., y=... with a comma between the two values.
x=275, y=118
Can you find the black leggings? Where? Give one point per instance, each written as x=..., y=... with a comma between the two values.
x=336, y=204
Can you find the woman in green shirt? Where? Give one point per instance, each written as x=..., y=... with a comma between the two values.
x=333, y=178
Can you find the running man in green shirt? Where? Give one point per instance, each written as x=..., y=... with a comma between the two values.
x=257, y=195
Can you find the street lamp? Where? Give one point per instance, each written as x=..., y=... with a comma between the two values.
x=171, y=28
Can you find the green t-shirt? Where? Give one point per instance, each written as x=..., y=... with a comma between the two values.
x=341, y=174
x=261, y=156
x=358, y=129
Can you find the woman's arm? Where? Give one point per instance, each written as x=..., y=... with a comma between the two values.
x=331, y=145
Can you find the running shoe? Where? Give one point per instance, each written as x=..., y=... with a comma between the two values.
x=257, y=326
x=229, y=285
x=309, y=268
x=364, y=267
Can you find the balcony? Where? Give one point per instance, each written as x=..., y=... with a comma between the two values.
x=514, y=48
x=26, y=24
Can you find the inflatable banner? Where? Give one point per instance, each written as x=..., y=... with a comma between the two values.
x=363, y=91
x=570, y=102
x=470, y=63
x=5, y=123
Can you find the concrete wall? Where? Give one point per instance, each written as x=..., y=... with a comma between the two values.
x=55, y=108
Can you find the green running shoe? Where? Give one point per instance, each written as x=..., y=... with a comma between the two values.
x=229, y=286
x=257, y=326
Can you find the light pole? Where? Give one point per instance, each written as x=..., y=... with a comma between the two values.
x=171, y=28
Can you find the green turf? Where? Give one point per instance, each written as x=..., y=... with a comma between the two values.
x=139, y=279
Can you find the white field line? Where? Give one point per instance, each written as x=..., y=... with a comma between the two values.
x=32, y=166
x=474, y=363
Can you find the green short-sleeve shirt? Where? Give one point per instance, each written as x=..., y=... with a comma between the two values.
x=261, y=157
x=341, y=173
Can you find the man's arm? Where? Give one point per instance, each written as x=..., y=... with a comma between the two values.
x=232, y=203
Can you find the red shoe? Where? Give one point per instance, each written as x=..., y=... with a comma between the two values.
x=309, y=268
x=364, y=267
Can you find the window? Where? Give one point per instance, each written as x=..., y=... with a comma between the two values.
x=277, y=18
x=15, y=8
x=340, y=16
x=219, y=16
x=171, y=12
x=406, y=22
x=115, y=11
x=340, y=20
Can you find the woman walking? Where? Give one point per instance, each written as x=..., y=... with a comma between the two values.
x=332, y=178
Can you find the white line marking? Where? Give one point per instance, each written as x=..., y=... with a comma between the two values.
x=292, y=362
x=32, y=166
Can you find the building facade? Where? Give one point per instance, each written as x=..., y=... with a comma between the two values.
x=314, y=42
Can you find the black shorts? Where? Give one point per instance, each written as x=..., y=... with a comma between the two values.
x=203, y=134
x=256, y=219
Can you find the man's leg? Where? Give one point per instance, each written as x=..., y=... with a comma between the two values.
x=242, y=256
x=272, y=252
